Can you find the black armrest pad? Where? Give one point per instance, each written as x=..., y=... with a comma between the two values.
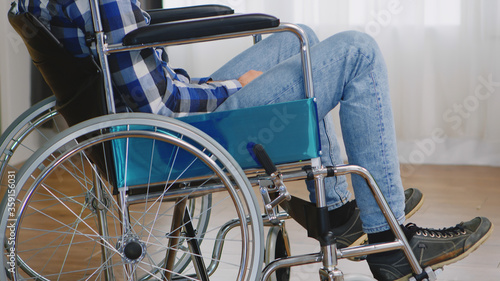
x=176, y=14
x=166, y=32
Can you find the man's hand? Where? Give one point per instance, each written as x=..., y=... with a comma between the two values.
x=249, y=77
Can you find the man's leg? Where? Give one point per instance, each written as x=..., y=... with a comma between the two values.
x=347, y=69
x=264, y=55
x=269, y=53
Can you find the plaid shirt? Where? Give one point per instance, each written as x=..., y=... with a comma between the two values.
x=145, y=82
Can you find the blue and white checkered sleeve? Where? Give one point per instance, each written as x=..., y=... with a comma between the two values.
x=146, y=82
x=201, y=97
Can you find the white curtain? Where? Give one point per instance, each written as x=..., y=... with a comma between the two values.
x=443, y=58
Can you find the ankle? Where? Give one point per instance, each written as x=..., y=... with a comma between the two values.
x=381, y=237
x=386, y=236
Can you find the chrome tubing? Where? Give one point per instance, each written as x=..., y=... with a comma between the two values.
x=101, y=49
x=358, y=251
x=103, y=226
x=330, y=258
x=96, y=16
x=219, y=244
x=221, y=235
x=289, y=262
x=176, y=193
x=386, y=210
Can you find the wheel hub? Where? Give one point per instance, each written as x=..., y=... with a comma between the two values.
x=132, y=249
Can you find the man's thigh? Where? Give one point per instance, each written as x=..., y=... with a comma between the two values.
x=264, y=55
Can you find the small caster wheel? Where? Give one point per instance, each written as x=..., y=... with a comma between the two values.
x=278, y=246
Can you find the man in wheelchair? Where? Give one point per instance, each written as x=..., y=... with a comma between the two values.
x=348, y=71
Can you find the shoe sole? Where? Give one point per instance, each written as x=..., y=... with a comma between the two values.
x=457, y=258
x=417, y=207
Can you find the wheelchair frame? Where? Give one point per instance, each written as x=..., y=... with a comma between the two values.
x=274, y=178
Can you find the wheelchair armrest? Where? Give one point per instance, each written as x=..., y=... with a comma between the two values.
x=173, y=31
x=176, y=14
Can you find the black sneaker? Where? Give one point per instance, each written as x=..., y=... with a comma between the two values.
x=414, y=199
x=432, y=247
x=351, y=233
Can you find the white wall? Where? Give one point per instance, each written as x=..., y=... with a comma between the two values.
x=14, y=72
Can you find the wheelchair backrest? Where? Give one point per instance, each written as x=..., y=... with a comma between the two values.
x=77, y=83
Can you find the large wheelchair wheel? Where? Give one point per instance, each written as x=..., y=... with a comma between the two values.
x=124, y=197
x=25, y=136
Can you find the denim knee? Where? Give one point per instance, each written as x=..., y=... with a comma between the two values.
x=355, y=41
x=311, y=35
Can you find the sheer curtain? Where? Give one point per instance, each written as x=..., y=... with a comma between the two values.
x=443, y=60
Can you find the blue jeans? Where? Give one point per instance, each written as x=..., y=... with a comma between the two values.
x=348, y=70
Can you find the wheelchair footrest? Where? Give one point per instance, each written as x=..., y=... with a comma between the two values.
x=315, y=220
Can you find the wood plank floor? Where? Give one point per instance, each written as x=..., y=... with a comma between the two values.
x=452, y=194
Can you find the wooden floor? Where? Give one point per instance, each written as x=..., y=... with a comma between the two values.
x=452, y=194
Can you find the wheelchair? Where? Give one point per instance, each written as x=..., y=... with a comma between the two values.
x=135, y=196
